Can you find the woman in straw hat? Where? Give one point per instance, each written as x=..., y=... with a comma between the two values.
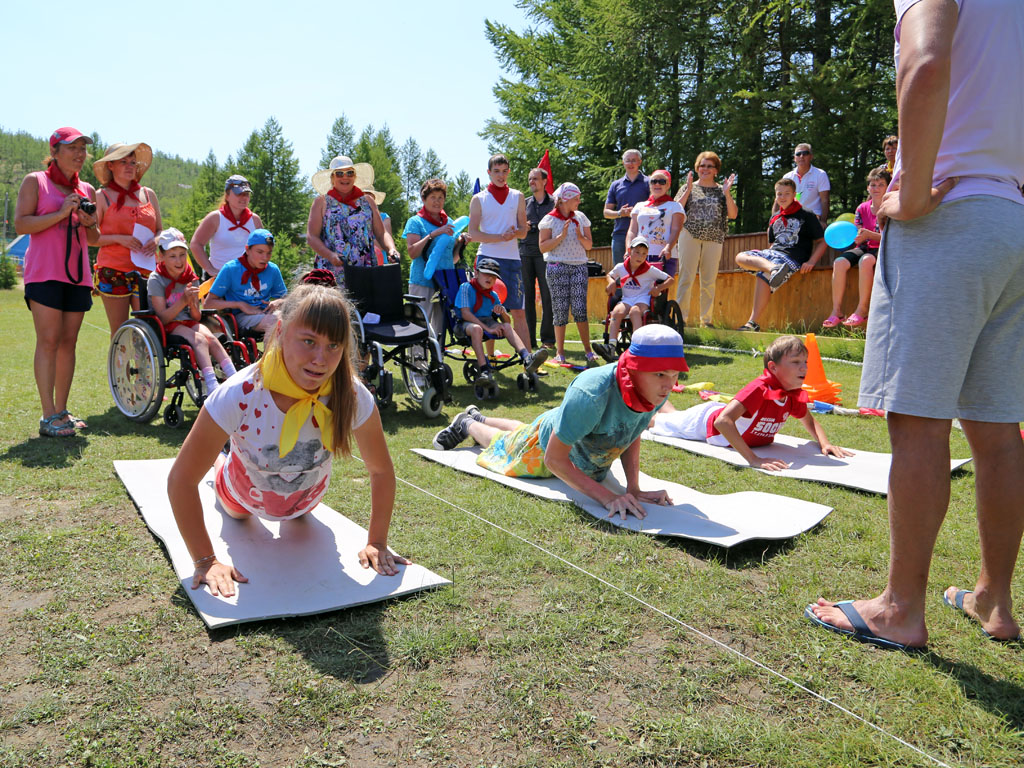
x=226, y=230
x=344, y=219
x=129, y=218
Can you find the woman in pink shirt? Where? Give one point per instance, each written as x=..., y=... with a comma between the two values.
x=58, y=211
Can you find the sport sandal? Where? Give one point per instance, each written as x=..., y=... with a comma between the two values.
x=49, y=427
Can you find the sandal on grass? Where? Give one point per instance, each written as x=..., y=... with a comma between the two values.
x=855, y=320
x=73, y=420
x=749, y=326
x=833, y=321
x=48, y=427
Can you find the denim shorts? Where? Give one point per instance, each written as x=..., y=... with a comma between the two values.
x=512, y=277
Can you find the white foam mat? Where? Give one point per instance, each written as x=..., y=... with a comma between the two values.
x=864, y=471
x=295, y=567
x=725, y=520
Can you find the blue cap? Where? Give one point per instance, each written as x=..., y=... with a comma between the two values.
x=260, y=237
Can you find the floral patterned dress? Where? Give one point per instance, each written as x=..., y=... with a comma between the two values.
x=348, y=232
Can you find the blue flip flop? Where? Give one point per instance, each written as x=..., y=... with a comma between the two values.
x=861, y=632
x=958, y=604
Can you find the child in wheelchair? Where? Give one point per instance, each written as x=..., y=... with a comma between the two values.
x=173, y=290
x=252, y=287
x=640, y=282
x=481, y=312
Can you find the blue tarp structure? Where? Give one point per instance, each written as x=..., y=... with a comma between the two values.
x=17, y=248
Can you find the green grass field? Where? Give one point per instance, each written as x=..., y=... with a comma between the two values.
x=522, y=662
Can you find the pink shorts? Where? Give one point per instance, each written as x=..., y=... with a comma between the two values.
x=224, y=495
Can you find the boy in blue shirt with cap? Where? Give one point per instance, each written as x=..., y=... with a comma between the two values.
x=251, y=286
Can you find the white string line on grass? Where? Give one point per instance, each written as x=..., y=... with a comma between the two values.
x=737, y=351
x=683, y=624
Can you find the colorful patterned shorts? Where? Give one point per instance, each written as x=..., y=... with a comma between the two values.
x=516, y=453
x=114, y=282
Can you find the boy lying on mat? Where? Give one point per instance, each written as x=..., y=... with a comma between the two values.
x=602, y=415
x=752, y=418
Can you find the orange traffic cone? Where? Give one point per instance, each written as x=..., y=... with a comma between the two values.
x=816, y=385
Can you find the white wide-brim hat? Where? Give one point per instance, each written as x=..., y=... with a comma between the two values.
x=321, y=180
x=143, y=159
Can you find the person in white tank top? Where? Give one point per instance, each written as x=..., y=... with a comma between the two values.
x=497, y=220
x=227, y=229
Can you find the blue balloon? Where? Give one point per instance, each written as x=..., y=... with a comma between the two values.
x=841, y=234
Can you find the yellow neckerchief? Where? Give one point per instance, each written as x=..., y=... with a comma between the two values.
x=277, y=379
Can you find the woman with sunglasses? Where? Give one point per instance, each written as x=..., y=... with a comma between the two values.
x=660, y=220
x=226, y=231
x=709, y=207
x=344, y=220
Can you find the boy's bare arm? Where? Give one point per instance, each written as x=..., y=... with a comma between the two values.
x=818, y=433
x=725, y=423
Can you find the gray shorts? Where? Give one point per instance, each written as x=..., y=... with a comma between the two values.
x=249, y=322
x=946, y=331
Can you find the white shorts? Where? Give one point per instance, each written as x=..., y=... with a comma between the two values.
x=645, y=299
x=691, y=424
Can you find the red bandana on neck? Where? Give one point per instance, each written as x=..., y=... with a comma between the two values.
x=627, y=387
x=652, y=200
x=250, y=275
x=775, y=391
x=438, y=221
x=57, y=177
x=238, y=223
x=186, y=278
x=498, y=193
x=123, y=194
x=481, y=294
x=789, y=210
x=633, y=275
x=559, y=215
x=351, y=199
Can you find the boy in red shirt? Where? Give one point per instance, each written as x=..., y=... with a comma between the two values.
x=758, y=411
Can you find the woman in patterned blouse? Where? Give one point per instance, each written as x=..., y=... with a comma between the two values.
x=709, y=207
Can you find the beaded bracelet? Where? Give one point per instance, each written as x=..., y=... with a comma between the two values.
x=204, y=560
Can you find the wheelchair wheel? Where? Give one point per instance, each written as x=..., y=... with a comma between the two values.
x=416, y=370
x=174, y=417
x=449, y=376
x=527, y=382
x=470, y=370
x=385, y=390
x=135, y=370
x=431, y=403
x=674, y=317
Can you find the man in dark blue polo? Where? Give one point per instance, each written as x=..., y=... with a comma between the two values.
x=623, y=194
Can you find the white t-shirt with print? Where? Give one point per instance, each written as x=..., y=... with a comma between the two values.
x=655, y=223
x=255, y=474
x=637, y=290
x=571, y=251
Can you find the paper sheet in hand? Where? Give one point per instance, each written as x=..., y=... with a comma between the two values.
x=139, y=259
x=295, y=568
x=724, y=520
x=865, y=471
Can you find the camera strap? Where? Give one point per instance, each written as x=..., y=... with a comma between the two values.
x=72, y=229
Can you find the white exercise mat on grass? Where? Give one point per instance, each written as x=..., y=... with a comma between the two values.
x=295, y=567
x=724, y=520
x=865, y=471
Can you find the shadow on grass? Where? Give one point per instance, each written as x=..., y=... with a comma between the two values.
x=114, y=423
x=693, y=359
x=55, y=452
x=1002, y=698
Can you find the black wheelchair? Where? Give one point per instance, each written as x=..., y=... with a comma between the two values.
x=391, y=327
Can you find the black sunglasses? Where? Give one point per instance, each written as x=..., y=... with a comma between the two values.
x=659, y=181
x=801, y=153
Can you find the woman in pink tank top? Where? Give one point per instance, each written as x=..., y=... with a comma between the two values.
x=121, y=205
x=56, y=209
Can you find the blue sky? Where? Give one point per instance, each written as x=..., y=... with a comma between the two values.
x=206, y=74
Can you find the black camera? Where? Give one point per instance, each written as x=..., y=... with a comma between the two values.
x=87, y=207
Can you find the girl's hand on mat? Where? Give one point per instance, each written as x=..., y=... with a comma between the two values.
x=221, y=578
x=772, y=465
x=381, y=559
x=625, y=504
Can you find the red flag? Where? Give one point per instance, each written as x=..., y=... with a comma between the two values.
x=545, y=164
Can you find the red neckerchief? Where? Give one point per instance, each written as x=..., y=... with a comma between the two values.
x=123, y=193
x=656, y=201
x=186, y=278
x=438, y=221
x=250, y=275
x=351, y=199
x=498, y=193
x=238, y=223
x=639, y=271
x=774, y=390
x=627, y=387
x=481, y=293
x=558, y=215
x=789, y=210
x=57, y=177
